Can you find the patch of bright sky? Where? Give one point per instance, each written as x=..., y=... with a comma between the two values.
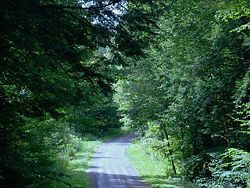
x=117, y=8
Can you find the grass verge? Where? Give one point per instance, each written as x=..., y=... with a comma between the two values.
x=155, y=172
x=76, y=165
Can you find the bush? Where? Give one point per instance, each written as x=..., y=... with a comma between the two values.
x=230, y=169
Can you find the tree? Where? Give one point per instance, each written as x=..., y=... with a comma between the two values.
x=50, y=65
x=196, y=74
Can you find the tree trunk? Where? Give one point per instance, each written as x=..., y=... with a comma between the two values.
x=165, y=135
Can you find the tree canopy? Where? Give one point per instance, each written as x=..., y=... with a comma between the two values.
x=176, y=71
x=56, y=72
x=189, y=97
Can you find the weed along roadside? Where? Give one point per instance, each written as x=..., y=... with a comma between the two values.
x=78, y=161
x=154, y=169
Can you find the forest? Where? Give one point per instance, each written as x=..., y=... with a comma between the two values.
x=176, y=72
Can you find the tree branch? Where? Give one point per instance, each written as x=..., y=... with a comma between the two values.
x=53, y=6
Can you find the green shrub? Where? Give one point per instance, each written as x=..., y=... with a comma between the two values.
x=230, y=169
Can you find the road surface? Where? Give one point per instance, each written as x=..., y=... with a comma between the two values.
x=110, y=168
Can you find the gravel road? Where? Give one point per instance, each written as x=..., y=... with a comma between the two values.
x=110, y=168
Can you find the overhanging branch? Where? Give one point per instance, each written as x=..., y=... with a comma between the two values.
x=54, y=6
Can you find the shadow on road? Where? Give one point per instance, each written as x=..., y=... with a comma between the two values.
x=104, y=180
x=125, y=181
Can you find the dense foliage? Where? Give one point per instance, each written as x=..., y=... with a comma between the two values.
x=56, y=71
x=189, y=97
x=182, y=80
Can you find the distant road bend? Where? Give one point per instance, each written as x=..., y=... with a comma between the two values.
x=110, y=168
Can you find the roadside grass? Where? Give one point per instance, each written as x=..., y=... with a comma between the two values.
x=154, y=171
x=79, y=163
x=75, y=167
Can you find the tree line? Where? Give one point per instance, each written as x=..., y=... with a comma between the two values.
x=189, y=97
x=181, y=74
x=55, y=80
